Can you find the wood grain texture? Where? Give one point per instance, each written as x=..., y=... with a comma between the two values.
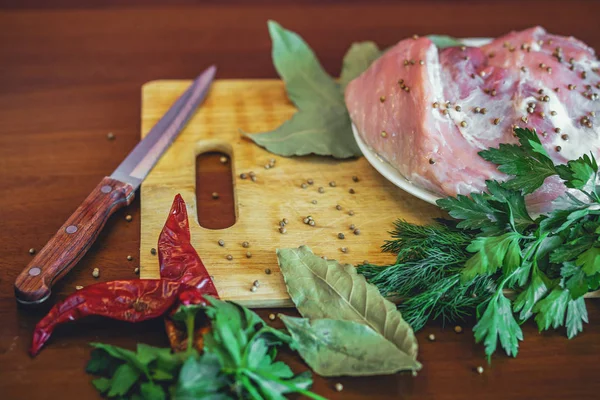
x=255, y=106
x=71, y=72
x=72, y=240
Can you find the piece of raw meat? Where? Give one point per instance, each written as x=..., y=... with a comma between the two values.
x=428, y=112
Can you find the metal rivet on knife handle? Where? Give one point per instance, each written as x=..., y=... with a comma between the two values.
x=35, y=271
x=106, y=189
x=71, y=229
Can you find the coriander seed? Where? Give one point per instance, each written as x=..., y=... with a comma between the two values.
x=332, y=183
x=268, y=271
x=128, y=218
x=458, y=329
x=285, y=221
x=310, y=181
x=78, y=287
x=431, y=337
x=256, y=283
x=243, y=175
x=110, y=136
x=223, y=160
x=355, y=178
x=282, y=230
x=248, y=254
x=129, y=258
x=136, y=270
x=321, y=190
x=304, y=186
x=341, y=235
x=480, y=369
x=253, y=289
x=253, y=178
x=314, y=202
x=339, y=387
x=153, y=251
x=351, y=191
x=338, y=207
x=305, y=220
x=357, y=231
x=96, y=272
x=343, y=249
x=229, y=257
x=272, y=317
x=350, y=212
x=221, y=242
x=215, y=195
x=312, y=222
x=32, y=251
x=246, y=244
x=352, y=227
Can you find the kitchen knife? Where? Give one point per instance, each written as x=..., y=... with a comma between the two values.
x=75, y=237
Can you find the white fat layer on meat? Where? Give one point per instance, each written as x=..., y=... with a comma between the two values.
x=434, y=74
x=581, y=139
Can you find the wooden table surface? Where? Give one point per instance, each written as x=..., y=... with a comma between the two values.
x=71, y=72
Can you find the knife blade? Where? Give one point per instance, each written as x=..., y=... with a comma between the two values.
x=70, y=243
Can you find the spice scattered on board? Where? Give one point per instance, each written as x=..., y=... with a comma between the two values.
x=128, y=218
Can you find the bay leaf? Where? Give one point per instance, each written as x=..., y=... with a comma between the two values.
x=321, y=125
x=358, y=58
x=320, y=131
x=306, y=81
x=327, y=289
x=443, y=41
x=337, y=348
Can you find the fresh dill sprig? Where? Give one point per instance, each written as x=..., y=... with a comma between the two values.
x=426, y=275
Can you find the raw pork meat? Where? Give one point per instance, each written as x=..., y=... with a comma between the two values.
x=429, y=112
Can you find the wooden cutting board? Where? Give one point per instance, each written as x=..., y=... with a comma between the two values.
x=255, y=106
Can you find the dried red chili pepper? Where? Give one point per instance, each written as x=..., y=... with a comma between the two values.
x=177, y=257
x=130, y=300
x=185, y=282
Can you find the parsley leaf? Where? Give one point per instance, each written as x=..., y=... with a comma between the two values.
x=589, y=261
x=576, y=316
x=201, y=378
x=580, y=174
x=551, y=310
x=527, y=299
x=515, y=202
x=123, y=379
x=492, y=252
x=475, y=212
x=498, y=322
x=529, y=162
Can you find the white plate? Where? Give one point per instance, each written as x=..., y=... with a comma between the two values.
x=390, y=172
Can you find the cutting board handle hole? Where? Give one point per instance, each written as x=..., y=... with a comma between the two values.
x=215, y=193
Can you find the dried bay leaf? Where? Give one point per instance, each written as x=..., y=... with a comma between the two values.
x=357, y=59
x=322, y=125
x=327, y=289
x=336, y=348
x=443, y=41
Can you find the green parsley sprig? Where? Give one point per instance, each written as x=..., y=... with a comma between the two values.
x=238, y=362
x=550, y=261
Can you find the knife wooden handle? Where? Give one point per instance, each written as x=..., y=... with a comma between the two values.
x=72, y=240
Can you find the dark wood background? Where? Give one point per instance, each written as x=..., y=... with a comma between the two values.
x=71, y=71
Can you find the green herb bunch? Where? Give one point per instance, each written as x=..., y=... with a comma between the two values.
x=238, y=362
x=550, y=261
